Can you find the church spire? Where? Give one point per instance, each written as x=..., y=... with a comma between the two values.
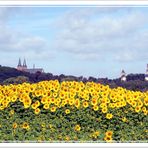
x=19, y=63
x=24, y=63
x=19, y=66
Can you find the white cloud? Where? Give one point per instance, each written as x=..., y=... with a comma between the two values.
x=85, y=33
x=17, y=41
x=31, y=43
x=96, y=34
x=6, y=12
x=13, y=41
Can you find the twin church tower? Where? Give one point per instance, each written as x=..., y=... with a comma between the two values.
x=23, y=67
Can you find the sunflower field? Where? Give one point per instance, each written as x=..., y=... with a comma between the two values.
x=70, y=111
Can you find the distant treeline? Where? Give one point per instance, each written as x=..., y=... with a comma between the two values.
x=9, y=75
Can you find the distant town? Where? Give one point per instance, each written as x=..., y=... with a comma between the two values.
x=23, y=67
x=21, y=73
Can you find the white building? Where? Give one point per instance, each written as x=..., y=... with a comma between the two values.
x=123, y=75
x=146, y=75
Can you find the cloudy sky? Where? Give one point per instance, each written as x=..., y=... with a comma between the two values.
x=80, y=41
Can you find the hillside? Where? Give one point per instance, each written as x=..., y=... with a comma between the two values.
x=7, y=72
x=10, y=75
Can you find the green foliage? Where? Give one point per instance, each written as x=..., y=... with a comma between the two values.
x=16, y=80
x=50, y=127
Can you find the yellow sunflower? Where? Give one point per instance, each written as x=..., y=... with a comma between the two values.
x=14, y=125
x=109, y=116
x=37, y=111
x=77, y=127
x=67, y=111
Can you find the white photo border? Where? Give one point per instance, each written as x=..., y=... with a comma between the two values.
x=55, y=3
x=109, y=3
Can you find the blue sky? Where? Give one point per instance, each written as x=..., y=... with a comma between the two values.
x=80, y=41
